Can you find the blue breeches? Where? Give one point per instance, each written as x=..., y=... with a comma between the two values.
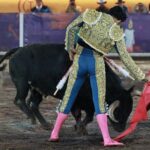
x=86, y=63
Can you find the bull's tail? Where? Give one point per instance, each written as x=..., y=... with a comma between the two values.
x=6, y=56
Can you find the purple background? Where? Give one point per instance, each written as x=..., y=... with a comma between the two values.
x=9, y=31
x=141, y=25
x=51, y=29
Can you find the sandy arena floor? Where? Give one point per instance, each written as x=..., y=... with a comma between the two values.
x=17, y=133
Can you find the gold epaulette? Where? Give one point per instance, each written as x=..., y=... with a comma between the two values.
x=91, y=16
x=116, y=33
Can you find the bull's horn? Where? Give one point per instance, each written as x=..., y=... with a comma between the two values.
x=111, y=110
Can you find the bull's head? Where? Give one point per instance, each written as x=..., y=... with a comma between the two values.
x=120, y=109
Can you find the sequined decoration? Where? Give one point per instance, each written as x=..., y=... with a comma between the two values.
x=101, y=81
x=135, y=71
x=97, y=36
x=71, y=81
x=96, y=16
x=71, y=32
x=116, y=33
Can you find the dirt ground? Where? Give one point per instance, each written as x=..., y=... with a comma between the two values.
x=17, y=133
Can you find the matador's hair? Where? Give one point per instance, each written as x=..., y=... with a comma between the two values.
x=118, y=13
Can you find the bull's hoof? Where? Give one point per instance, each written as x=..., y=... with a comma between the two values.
x=47, y=126
x=80, y=129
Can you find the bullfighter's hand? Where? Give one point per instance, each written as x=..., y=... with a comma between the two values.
x=139, y=86
x=147, y=78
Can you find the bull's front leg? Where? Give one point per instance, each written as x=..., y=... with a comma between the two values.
x=77, y=115
x=23, y=107
x=88, y=118
x=79, y=126
x=35, y=100
x=22, y=89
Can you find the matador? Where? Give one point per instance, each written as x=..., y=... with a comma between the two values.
x=91, y=36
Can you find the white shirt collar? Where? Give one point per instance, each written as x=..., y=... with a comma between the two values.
x=39, y=7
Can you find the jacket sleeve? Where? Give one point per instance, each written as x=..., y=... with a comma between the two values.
x=71, y=32
x=135, y=71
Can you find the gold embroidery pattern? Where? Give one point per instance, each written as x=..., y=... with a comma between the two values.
x=136, y=72
x=96, y=16
x=116, y=33
x=71, y=81
x=97, y=36
x=71, y=32
x=101, y=81
x=79, y=49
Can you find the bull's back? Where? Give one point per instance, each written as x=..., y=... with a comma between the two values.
x=42, y=64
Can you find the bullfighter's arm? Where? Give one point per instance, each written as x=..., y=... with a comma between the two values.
x=117, y=35
x=135, y=71
x=71, y=33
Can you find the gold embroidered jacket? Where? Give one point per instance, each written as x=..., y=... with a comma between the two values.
x=101, y=32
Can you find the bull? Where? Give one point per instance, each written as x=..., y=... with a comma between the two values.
x=39, y=67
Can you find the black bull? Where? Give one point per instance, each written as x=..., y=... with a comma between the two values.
x=39, y=68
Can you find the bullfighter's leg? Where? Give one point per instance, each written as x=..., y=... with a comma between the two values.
x=20, y=99
x=97, y=80
x=34, y=101
x=98, y=83
x=75, y=82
